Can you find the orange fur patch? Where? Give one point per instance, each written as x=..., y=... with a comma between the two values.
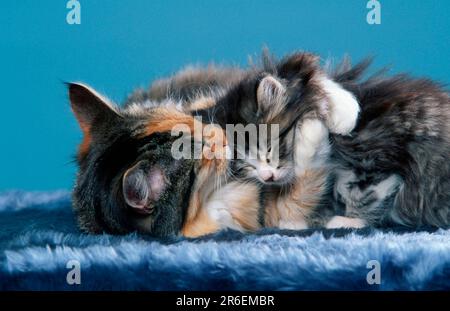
x=165, y=119
x=244, y=206
x=83, y=148
x=295, y=207
x=198, y=222
x=200, y=191
x=202, y=224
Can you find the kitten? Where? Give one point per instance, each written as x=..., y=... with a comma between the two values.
x=394, y=168
x=296, y=95
x=129, y=181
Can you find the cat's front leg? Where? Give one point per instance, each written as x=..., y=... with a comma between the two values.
x=341, y=107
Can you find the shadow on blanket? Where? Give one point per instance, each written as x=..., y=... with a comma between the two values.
x=38, y=237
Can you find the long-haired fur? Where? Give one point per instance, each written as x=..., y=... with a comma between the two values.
x=395, y=164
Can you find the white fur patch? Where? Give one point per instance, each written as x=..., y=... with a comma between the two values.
x=345, y=222
x=353, y=194
x=386, y=187
x=343, y=108
x=291, y=225
x=311, y=145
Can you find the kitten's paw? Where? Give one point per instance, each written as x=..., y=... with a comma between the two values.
x=343, y=108
x=345, y=222
x=293, y=225
x=311, y=146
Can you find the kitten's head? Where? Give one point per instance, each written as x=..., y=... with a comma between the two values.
x=128, y=179
x=283, y=94
x=298, y=97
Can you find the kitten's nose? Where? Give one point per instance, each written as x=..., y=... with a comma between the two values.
x=269, y=179
x=266, y=175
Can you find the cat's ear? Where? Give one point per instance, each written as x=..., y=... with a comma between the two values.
x=270, y=95
x=90, y=108
x=142, y=186
x=135, y=188
x=340, y=107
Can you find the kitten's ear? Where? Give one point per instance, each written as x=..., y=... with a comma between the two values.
x=340, y=107
x=302, y=66
x=270, y=95
x=90, y=108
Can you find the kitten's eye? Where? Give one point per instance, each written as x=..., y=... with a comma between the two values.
x=268, y=160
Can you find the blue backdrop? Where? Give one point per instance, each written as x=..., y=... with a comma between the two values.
x=123, y=44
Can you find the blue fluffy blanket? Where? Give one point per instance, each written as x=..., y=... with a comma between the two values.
x=39, y=237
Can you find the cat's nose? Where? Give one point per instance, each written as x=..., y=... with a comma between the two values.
x=266, y=175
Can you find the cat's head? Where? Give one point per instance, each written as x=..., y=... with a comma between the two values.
x=286, y=94
x=128, y=179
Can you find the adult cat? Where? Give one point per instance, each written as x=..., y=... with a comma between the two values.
x=128, y=179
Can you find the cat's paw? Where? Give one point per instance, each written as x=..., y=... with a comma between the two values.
x=345, y=222
x=343, y=108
